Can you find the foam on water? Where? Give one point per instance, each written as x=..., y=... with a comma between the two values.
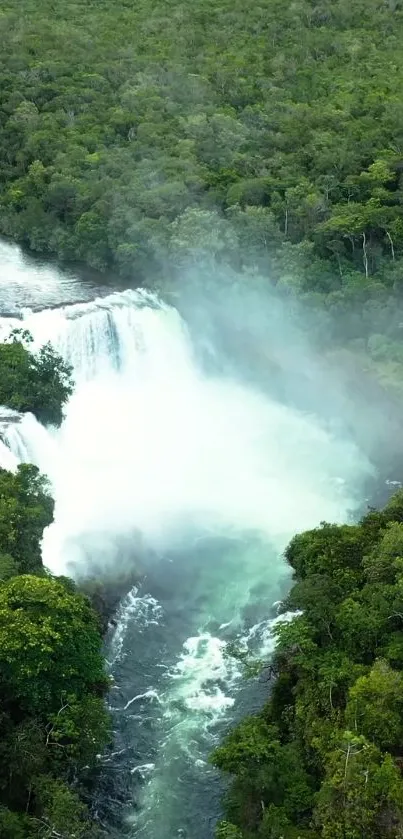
x=143, y=610
x=260, y=640
x=143, y=769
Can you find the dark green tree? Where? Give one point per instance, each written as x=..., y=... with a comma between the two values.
x=37, y=382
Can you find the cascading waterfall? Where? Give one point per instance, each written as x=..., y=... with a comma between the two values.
x=215, y=477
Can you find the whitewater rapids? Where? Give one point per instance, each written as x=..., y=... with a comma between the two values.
x=214, y=477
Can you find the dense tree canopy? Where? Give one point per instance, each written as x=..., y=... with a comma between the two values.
x=40, y=660
x=323, y=760
x=26, y=508
x=39, y=382
x=53, y=719
x=134, y=136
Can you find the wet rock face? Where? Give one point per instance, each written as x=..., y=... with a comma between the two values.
x=106, y=594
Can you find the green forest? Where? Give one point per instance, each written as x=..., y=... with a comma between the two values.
x=323, y=760
x=139, y=137
x=150, y=140
x=53, y=718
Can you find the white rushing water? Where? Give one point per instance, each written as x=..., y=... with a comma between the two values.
x=153, y=444
x=214, y=476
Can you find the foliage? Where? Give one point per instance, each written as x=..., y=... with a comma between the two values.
x=38, y=382
x=53, y=720
x=40, y=660
x=323, y=758
x=26, y=508
x=225, y=830
x=130, y=136
x=62, y=813
x=268, y=141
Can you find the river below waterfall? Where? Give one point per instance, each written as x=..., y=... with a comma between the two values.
x=198, y=479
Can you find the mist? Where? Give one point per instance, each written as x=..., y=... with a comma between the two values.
x=217, y=420
x=275, y=342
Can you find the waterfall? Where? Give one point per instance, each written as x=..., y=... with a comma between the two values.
x=216, y=477
x=101, y=336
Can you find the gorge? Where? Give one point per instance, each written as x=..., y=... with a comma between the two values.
x=195, y=478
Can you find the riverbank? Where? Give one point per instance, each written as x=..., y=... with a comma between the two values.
x=323, y=756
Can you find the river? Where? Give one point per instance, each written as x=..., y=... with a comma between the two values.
x=199, y=478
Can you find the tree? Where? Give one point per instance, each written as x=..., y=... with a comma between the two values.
x=8, y=567
x=375, y=706
x=327, y=549
x=225, y=830
x=320, y=594
x=37, y=382
x=200, y=235
x=78, y=730
x=51, y=385
x=62, y=814
x=40, y=660
x=362, y=794
x=247, y=746
x=13, y=825
x=386, y=560
x=271, y=773
x=26, y=508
